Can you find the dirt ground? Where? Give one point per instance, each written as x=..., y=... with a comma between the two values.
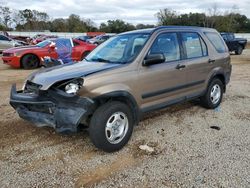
x=188, y=153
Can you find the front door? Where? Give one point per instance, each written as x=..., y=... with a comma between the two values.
x=164, y=82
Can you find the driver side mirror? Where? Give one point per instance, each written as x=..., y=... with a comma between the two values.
x=152, y=59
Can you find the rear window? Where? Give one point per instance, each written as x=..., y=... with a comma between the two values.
x=216, y=41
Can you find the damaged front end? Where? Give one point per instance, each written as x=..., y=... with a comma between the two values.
x=52, y=107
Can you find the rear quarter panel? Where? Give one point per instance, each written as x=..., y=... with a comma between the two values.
x=222, y=64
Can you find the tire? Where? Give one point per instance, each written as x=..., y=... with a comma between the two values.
x=239, y=50
x=212, y=99
x=30, y=61
x=116, y=115
x=84, y=54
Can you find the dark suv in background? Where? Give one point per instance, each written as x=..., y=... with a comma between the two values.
x=236, y=45
x=128, y=75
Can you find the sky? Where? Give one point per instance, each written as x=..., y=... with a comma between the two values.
x=132, y=11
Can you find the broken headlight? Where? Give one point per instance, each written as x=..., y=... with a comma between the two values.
x=70, y=86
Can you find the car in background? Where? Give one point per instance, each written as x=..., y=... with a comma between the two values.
x=15, y=37
x=30, y=57
x=84, y=38
x=6, y=42
x=234, y=44
x=99, y=39
x=42, y=38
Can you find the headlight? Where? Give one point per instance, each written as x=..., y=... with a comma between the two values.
x=72, y=88
x=17, y=53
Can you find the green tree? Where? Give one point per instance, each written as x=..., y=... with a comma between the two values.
x=144, y=26
x=59, y=25
x=116, y=26
x=167, y=17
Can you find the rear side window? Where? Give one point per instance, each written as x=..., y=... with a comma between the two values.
x=167, y=44
x=194, y=45
x=216, y=41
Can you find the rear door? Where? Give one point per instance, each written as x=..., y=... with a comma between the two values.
x=196, y=61
x=164, y=82
x=233, y=44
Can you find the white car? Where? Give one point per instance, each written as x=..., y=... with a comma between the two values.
x=6, y=42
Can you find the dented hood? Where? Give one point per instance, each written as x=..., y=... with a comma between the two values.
x=48, y=76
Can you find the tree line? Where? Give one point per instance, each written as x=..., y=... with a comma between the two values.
x=33, y=20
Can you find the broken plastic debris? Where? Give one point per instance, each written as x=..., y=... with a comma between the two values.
x=146, y=148
x=215, y=127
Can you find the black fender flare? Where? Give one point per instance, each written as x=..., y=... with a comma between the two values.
x=123, y=96
x=220, y=74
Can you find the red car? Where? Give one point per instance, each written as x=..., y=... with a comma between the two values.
x=29, y=57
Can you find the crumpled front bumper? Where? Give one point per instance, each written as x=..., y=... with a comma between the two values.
x=51, y=108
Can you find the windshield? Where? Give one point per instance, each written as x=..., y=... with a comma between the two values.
x=44, y=43
x=120, y=49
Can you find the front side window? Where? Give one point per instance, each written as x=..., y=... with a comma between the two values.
x=194, y=45
x=119, y=49
x=216, y=41
x=167, y=44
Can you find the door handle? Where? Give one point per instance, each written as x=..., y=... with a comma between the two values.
x=179, y=66
x=211, y=61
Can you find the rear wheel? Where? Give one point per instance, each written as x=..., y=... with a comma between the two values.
x=213, y=96
x=30, y=61
x=239, y=50
x=111, y=126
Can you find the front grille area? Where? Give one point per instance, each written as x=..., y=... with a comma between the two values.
x=42, y=108
x=7, y=54
x=31, y=87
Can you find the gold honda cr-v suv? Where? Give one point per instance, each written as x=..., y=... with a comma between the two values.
x=129, y=74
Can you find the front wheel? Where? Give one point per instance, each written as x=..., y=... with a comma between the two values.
x=213, y=95
x=239, y=50
x=111, y=126
x=30, y=61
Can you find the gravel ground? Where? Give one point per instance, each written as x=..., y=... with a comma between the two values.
x=187, y=152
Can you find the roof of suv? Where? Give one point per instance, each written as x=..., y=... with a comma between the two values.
x=152, y=30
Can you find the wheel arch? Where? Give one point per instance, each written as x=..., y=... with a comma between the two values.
x=122, y=96
x=221, y=76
